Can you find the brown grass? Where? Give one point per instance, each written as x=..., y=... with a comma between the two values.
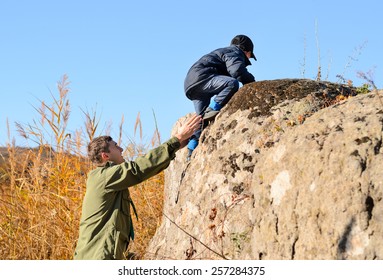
x=42, y=188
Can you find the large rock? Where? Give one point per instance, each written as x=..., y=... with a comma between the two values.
x=284, y=172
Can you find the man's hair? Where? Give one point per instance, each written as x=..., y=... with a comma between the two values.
x=97, y=146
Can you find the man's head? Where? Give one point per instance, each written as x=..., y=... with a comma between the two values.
x=244, y=43
x=102, y=149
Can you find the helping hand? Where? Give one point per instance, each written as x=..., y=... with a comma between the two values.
x=188, y=128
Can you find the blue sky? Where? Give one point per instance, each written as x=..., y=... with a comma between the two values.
x=124, y=57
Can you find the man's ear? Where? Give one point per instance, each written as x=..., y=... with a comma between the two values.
x=104, y=156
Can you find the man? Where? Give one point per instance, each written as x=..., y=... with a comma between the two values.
x=218, y=74
x=106, y=224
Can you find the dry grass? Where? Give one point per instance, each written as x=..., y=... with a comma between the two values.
x=41, y=189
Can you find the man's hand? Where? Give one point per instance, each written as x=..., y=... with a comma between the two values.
x=188, y=128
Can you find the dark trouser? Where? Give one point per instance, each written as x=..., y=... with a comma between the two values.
x=222, y=87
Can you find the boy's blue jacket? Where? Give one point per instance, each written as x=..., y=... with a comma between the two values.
x=230, y=61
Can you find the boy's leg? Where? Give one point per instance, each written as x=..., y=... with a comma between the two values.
x=200, y=105
x=223, y=87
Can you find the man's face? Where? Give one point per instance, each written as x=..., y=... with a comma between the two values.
x=115, y=153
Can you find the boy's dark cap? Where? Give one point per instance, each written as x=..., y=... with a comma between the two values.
x=244, y=43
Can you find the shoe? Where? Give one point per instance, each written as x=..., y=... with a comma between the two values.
x=209, y=114
x=188, y=157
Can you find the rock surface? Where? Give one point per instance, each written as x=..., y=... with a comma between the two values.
x=284, y=172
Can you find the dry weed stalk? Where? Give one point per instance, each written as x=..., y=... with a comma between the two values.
x=319, y=71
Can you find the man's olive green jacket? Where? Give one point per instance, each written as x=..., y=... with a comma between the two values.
x=106, y=224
